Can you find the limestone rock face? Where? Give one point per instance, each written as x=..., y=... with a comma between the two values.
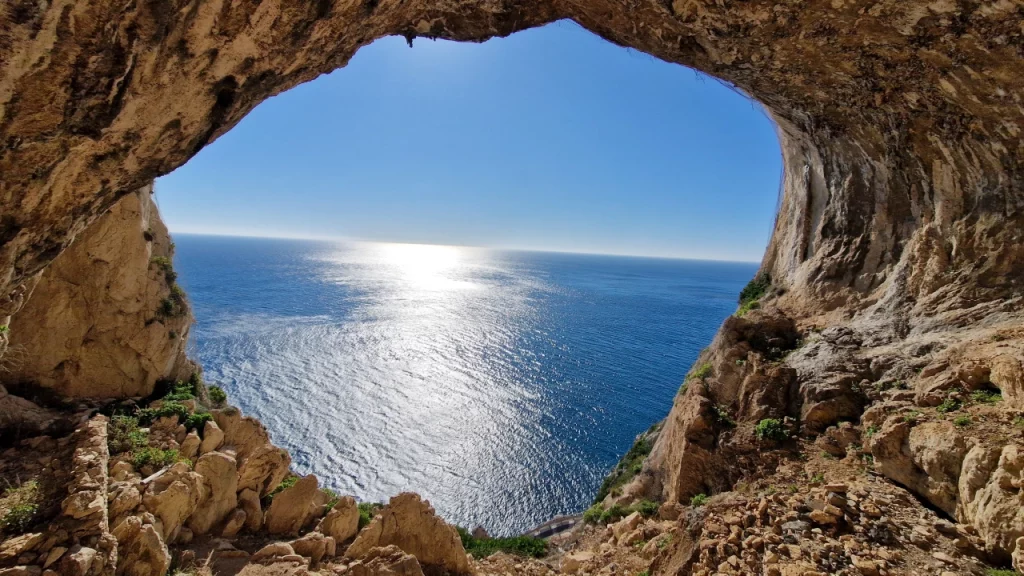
x=220, y=487
x=94, y=324
x=925, y=458
x=174, y=497
x=386, y=561
x=411, y=524
x=261, y=465
x=342, y=522
x=141, y=551
x=292, y=507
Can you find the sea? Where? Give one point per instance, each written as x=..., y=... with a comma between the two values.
x=502, y=386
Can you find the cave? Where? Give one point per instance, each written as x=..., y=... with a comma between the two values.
x=898, y=234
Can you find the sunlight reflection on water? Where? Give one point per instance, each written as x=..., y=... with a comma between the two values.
x=501, y=386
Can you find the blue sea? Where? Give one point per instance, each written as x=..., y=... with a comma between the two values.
x=502, y=386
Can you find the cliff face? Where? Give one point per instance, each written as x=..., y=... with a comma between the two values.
x=105, y=318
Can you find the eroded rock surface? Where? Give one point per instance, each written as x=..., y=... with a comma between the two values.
x=410, y=524
x=106, y=318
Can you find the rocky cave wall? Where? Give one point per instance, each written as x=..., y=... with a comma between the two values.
x=105, y=319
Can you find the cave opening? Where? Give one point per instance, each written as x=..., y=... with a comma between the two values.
x=587, y=152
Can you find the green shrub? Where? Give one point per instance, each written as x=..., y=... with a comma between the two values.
x=367, y=510
x=5, y=329
x=217, y=395
x=332, y=497
x=285, y=484
x=527, y=546
x=948, y=405
x=19, y=517
x=871, y=431
x=699, y=500
x=770, y=429
x=702, y=372
x=154, y=457
x=1001, y=572
x=755, y=289
x=912, y=417
x=123, y=435
x=197, y=421
x=20, y=507
x=593, y=514
x=646, y=508
x=167, y=408
x=986, y=396
x=962, y=421
x=166, y=266
x=627, y=468
x=1019, y=421
x=747, y=307
x=614, y=513
x=723, y=417
x=181, y=391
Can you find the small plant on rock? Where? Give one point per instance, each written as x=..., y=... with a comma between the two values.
x=771, y=429
x=154, y=457
x=962, y=421
x=986, y=396
x=912, y=417
x=217, y=395
x=646, y=508
x=332, y=498
x=124, y=435
x=367, y=510
x=20, y=506
x=722, y=416
x=197, y=420
x=702, y=372
x=593, y=514
x=950, y=404
x=699, y=500
x=871, y=431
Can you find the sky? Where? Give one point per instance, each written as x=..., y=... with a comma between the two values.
x=550, y=139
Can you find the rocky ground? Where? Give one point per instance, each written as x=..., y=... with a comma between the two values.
x=187, y=486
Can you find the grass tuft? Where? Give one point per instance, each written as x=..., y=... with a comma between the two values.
x=526, y=546
x=771, y=429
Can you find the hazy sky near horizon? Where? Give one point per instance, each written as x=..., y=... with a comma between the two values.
x=550, y=139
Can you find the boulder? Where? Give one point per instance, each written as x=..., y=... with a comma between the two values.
x=573, y=563
x=273, y=550
x=140, y=549
x=261, y=465
x=173, y=498
x=411, y=524
x=314, y=546
x=386, y=561
x=213, y=437
x=234, y=523
x=190, y=445
x=249, y=501
x=292, y=507
x=220, y=491
x=991, y=498
x=925, y=458
x=342, y=522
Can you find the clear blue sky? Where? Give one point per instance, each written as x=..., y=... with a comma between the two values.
x=551, y=139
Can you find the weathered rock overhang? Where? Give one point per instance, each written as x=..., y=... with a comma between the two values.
x=900, y=120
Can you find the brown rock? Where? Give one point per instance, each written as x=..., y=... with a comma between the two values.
x=410, y=524
x=220, y=484
x=292, y=507
x=234, y=523
x=386, y=561
x=93, y=325
x=249, y=501
x=140, y=549
x=342, y=522
x=213, y=437
x=314, y=546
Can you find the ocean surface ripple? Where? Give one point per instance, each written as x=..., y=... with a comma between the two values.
x=502, y=386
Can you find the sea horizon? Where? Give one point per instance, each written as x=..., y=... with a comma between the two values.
x=469, y=246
